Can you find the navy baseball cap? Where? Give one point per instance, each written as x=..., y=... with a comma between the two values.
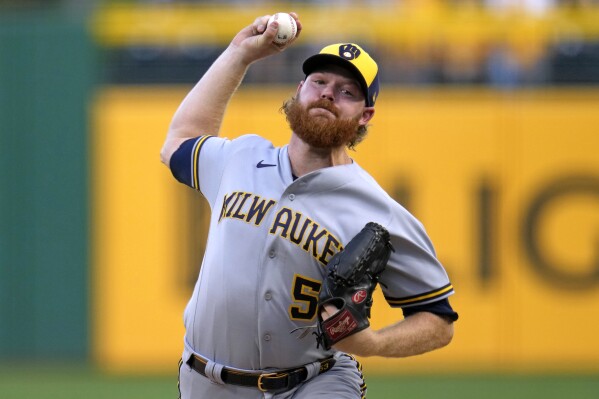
x=355, y=59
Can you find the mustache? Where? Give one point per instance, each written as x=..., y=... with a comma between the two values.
x=325, y=104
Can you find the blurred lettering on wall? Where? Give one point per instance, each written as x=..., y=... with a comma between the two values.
x=507, y=185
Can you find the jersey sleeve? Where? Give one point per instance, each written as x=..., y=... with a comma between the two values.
x=414, y=276
x=199, y=164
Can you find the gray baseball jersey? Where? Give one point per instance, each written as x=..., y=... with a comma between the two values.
x=271, y=236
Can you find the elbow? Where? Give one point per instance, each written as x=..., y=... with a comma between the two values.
x=445, y=335
x=168, y=148
x=165, y=156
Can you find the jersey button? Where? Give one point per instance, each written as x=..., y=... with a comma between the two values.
x=272, y=253
x=267, y=337
x=268, y=296
x=291, y=197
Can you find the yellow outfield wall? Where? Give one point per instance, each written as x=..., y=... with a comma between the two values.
x=506, y=183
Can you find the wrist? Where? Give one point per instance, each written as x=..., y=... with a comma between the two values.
x=363, y=343
x=236, y=56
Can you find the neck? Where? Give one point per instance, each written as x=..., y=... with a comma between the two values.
x=305, y=158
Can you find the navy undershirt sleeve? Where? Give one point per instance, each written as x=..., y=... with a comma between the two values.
x=441, y=308
x=180, y=163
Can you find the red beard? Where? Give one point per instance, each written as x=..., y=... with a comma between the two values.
x=320, y=132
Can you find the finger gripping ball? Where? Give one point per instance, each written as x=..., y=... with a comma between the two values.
x=287, y=27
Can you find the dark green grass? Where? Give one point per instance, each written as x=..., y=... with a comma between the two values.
x=70, y=382
x=485, y=387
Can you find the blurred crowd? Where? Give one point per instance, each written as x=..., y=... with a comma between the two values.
x=530, y=54
x=541, y=42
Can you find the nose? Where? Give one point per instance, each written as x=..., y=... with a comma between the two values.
x=327, y=93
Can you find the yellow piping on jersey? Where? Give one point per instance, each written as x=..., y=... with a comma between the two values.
x=194, y=163
x=412, y=300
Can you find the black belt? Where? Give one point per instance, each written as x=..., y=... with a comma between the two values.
x=281, y=380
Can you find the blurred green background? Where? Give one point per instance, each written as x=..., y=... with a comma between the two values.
x=69, y=382
x=56, y=55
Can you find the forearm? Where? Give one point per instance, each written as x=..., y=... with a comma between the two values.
x=415, y=335
x=202, y=110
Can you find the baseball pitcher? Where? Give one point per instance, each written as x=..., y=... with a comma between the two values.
x=300, y=236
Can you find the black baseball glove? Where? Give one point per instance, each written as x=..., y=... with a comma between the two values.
x=351, y=277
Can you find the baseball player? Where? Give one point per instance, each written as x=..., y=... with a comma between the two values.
x=259, y=323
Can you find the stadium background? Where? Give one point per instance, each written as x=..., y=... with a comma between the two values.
x=486, y=129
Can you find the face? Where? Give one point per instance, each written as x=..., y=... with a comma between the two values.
x=328, y=109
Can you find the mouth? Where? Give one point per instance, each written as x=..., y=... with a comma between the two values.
x=324, y=112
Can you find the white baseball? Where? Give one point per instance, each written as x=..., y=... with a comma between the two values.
x=287, y=27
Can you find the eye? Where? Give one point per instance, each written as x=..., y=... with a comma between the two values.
x=347, y=92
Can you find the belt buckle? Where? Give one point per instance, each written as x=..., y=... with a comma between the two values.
x=265, y=375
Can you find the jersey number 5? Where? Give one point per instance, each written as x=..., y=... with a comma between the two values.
x=305, y=298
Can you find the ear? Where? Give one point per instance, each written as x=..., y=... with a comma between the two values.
x=299, y=86
x=367, y=115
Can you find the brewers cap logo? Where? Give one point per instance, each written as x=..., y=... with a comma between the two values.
x=349, y=52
